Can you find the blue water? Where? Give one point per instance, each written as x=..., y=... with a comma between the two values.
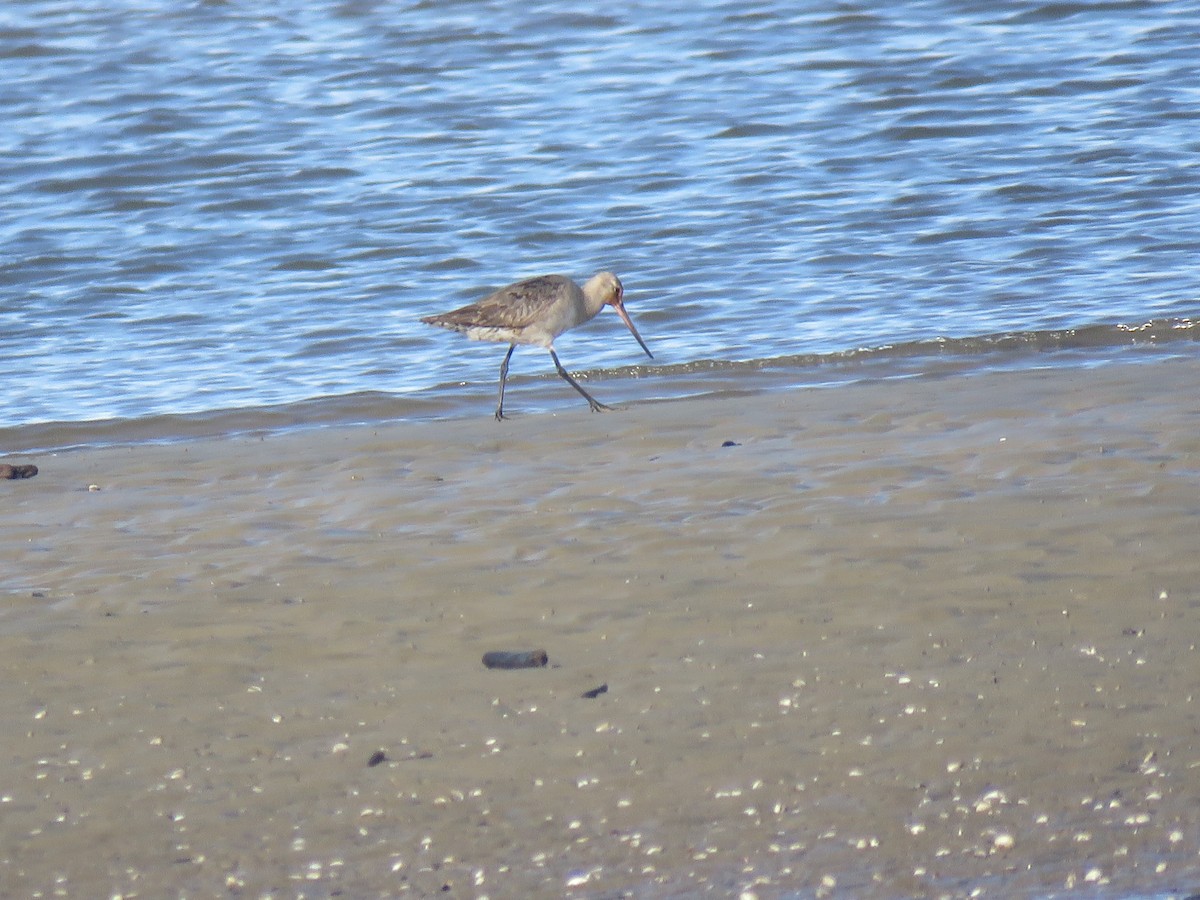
x=222, y=205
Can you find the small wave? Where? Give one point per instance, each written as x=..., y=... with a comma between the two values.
x=1155, y=332
x=1092, y=344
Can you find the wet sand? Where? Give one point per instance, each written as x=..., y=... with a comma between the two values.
x=912, y=638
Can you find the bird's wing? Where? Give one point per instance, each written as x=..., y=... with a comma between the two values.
x=516, y=306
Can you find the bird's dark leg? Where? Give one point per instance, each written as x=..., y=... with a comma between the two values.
x=595, y=404
x=503, y=376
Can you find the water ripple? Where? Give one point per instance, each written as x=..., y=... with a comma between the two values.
x=216, y=206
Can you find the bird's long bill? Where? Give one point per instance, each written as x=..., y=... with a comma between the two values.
x=620, y=308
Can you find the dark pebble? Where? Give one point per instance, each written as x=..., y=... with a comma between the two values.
x=10, y=471
x=515, y=659
x=731, y=444
x=595, y=692
x=376, y=758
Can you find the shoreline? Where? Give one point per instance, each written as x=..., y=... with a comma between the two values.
x=389, y=395
x=540, y=393
x=908, y=637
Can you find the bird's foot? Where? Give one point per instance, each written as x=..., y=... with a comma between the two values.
x=597, y=406
x=500, y=416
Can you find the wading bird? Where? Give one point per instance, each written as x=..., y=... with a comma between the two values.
x=536, y=311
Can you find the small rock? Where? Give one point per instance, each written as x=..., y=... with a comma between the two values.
x=515, y=659
x=7, y=470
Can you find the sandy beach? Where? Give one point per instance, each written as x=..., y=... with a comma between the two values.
x=919, y=637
